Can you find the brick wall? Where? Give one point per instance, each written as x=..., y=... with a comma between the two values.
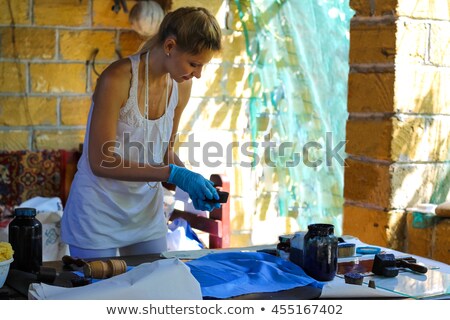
x=46, y=70
x=398, y=128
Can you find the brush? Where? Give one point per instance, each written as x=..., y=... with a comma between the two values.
x=346, y=250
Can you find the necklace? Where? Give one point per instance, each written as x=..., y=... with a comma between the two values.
x=157, y=184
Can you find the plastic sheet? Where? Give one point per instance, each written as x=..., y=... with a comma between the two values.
x=299, y=101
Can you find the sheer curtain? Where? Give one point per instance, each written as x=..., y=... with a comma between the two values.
x=298, y=108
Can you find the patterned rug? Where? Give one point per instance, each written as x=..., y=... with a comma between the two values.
x=27, y=174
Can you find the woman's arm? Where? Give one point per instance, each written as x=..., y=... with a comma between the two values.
x=184, y=93
x=110, y=95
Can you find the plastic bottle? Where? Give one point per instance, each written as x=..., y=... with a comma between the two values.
x=320, y=252
x=25, y=236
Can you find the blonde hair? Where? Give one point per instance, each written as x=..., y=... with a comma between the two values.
x=194, y=28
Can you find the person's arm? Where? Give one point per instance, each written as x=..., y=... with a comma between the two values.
x=184, y=93
x=178, y=171
x=110, y=95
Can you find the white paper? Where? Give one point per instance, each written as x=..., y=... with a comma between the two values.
x=168, y=279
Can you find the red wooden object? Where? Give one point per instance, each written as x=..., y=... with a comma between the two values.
x=218, y=222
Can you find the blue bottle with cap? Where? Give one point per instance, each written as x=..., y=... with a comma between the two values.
x=25, y=237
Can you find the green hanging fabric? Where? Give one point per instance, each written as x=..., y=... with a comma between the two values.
x=299, y=102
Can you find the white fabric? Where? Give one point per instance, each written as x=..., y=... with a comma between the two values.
x=167, y=279
x=177, y=238
x=103, y=213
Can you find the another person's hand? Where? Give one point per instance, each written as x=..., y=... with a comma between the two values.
x=198, y=188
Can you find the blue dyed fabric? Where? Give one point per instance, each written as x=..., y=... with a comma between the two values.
x=229, y=274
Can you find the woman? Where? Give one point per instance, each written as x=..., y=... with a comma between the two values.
x=116, y=199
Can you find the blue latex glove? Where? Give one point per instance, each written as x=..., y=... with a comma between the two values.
x=203, y=205
x=198, y=188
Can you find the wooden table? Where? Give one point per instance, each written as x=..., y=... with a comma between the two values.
x=17, y=288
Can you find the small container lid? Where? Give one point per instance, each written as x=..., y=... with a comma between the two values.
x=25, y=212
x=285, y=238
x=321, y=228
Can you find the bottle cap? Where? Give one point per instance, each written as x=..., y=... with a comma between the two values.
x=368, y=250
x=323, y=229
x=285, y=238
x=25, y=212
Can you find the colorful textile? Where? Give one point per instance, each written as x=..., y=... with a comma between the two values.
x=28, y=174
x=225, y=275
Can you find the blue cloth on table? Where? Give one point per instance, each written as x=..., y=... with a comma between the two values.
x=229, y=274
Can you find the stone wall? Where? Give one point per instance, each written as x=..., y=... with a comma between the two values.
x=46, y=70
x=398, y=126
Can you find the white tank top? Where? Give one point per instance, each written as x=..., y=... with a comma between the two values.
x=105, y=213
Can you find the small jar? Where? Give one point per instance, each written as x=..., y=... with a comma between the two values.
x=25, y=236
x=284, y=247
x=320, y=252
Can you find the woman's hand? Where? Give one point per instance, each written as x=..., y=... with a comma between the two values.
x=200, y=190
x=204, y=205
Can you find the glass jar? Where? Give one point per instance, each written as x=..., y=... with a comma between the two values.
x=320, y=252
x=25, y=237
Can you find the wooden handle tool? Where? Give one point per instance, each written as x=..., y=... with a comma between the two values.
x=403, y=263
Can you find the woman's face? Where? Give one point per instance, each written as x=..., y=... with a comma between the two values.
x=185, y=66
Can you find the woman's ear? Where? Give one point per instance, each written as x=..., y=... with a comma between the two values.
x=169, y=45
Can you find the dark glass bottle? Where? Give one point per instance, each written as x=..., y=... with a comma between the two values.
x=320, y=252
x=25, y=237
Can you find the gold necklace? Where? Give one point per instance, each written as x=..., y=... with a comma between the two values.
x=157, y=184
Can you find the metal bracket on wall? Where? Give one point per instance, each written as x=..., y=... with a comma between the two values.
x=94, y=55
x=372, y=7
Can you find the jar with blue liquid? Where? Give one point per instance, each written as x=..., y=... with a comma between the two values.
x=320, y=251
